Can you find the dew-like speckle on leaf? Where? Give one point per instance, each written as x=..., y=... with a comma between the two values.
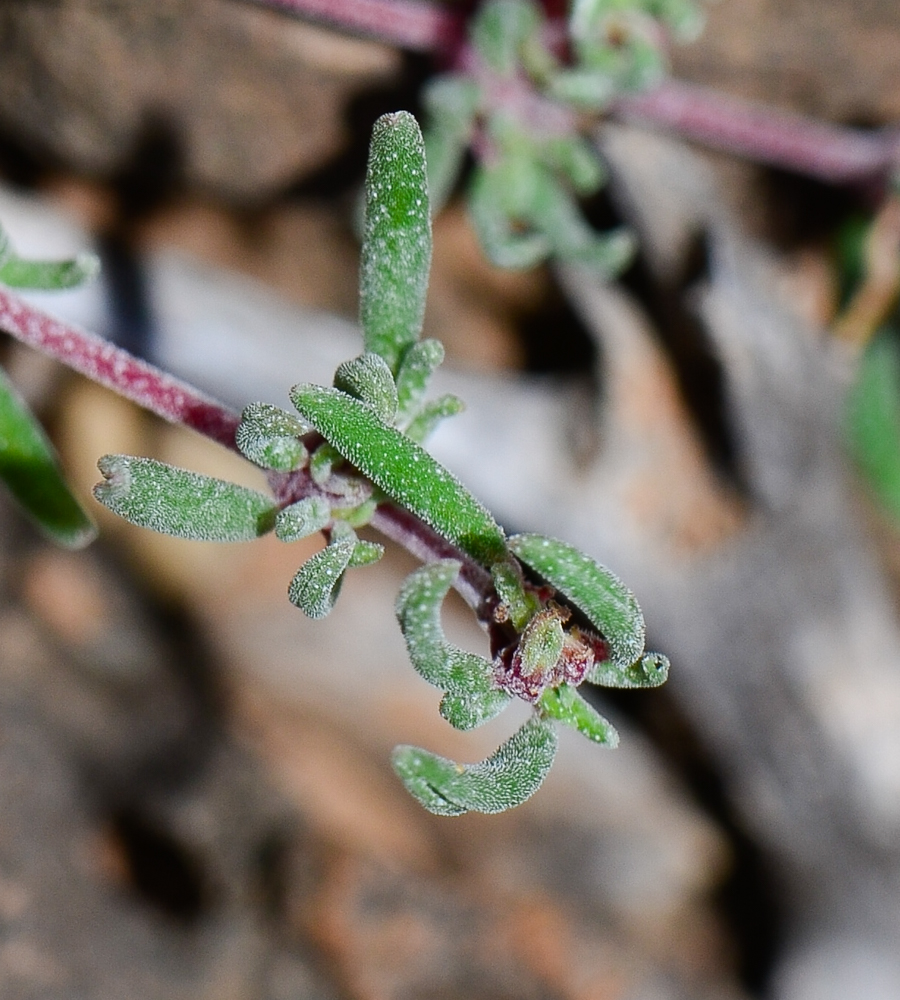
x=269, y=436
x=369, y=379
x=178, y=502
x=303, y=518
x=506, y=779
x=317, y=583
x=403, y=469
x=396, y=250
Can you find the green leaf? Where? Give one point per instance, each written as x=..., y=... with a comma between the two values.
x=608, y=603
x=419, y=612
x=322, y=462
x=368, y=379
x=317, y=583
x=30, y=470
x=396, y=250
x=472, y=709
x=585, y=88
x=498, y=234
x=431, y=414
x=366, y=553
x=49, y=275
x=269, y=436
x=510, y=587
x=185, y=504
x=501, y=29
x=566, y=705
x=302, y=519
x=452, y=103
x=419, y=363
x=872, y=419
x=650, y=670
x=403, y=469
x=577, y=160
x=554, y=213
x=506, y=779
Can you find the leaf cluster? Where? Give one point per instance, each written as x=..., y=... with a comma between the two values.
x=523, y=103
x=554, y=617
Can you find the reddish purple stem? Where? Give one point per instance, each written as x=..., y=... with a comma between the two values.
x=830, y=153
x=103, y=362
x=410, y=24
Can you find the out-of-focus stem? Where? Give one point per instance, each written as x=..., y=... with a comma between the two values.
x=830, y=153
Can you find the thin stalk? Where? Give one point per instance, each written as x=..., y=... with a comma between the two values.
x=110, y=366
x=408, y=24
x=831, y=153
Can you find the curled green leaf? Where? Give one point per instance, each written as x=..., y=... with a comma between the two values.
x=317, y=583
x=302, y=519
x=402, y=469
x=506, y=779
x=270, y=437
x=502, y=239
x=29, y=468
x=365, y=553
x=500, y=31
x=651, y=670
x=178, y=502
x=566, y=705
x=396, y=250
x=609, y=605
x=419, y=612
x=369, y=379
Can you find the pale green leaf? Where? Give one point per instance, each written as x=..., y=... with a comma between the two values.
x=322, y=462
x=510, y=586
x=178, y=502
x=418, y=364
x=566, y=705
x=396, y=250
x=419, y=612
x=369, y=380
x=366, y=553
x=506, y=779
x=317, y=583
x=500, y=30
x=403, y=469
x=302, y=519
x=649, y=670
x=48, y=275
x=472, y=709
x=423, y=425
x=270, y=437
x=501, y=239
x=451, y=102
x=29, y=468
x=608, y=604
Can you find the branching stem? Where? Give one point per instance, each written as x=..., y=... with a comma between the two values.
x=180, y=403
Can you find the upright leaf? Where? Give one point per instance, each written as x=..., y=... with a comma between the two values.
x=418, y=364
x=608, y=603
x=29, y=468
x=178, y=502
x=506, y=779
x=396, y=250
x=270, y=437
x=402, y=468
x=369, y=379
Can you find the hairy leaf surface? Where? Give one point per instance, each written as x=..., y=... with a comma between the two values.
x=608, y=603
x=403, y=469
x=178, y=502
x=506, y=779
